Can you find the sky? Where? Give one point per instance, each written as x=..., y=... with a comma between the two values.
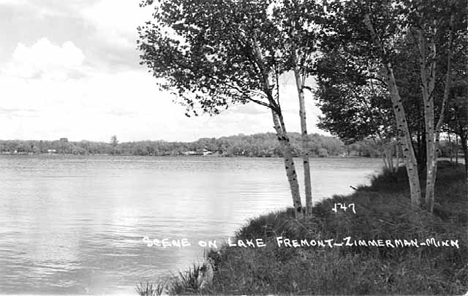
x=70, y=69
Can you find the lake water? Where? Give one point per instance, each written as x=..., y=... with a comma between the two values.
x=75, y=225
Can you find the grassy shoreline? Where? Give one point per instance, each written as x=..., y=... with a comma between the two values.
x=382, y=213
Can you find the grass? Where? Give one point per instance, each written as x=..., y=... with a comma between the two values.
x=151, y=289
x=182, y=283
x=383, y=211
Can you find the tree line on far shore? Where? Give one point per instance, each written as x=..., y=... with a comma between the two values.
x=257, y=145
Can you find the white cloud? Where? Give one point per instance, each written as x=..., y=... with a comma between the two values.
x=43, y=53
x=45, y=59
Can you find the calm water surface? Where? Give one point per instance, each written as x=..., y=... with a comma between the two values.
x=74, y=225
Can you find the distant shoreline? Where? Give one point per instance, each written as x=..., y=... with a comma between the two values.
x=180, y=155
x=460, y=159
x=257, y=145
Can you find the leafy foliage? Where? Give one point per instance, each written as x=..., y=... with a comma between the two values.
x=351, y=74
x=354, y=105
x=211, y=53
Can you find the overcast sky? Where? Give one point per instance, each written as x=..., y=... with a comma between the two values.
x=70, y=68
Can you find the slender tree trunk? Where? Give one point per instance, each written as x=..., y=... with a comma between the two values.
x=389, y=156
x=451, y=146
x=464, y=144
x=390, y=159
x=305, y=142
x=288, y=162
x=404, y=138
x=431, y=158
x=384, y=159
x=398, y=155
x=403, y=133
x=428, y=78
x=421, y=144
x=280, y=129
x=381, y=147
x=427, y=86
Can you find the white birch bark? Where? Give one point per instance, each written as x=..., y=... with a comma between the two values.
x=427, y=73
x=398, y=157
x=404, y=138
x=305, y=141
x=428, y=78
x=288, y=162
x=403, y=134
x=281, y=132
x=389, y=156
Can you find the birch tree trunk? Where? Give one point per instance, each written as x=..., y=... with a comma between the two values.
x=428, y=79
x=288, y=162
x=403, y=134
x=389, y=156
x=280, y=129
x=451, y=146
x=464, y=145
x=305, y=141
x=384, y=159
x=404, y=138
x=398, y=158
x=427, y=73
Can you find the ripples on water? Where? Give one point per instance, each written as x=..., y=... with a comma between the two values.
x=75, y=224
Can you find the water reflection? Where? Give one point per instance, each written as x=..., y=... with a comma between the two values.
x=75, y=225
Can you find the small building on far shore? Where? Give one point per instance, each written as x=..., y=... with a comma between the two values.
x=191, y=153
x=204, y=152
x=207, y=152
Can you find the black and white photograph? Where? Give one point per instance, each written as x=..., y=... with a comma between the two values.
x=233, y=147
